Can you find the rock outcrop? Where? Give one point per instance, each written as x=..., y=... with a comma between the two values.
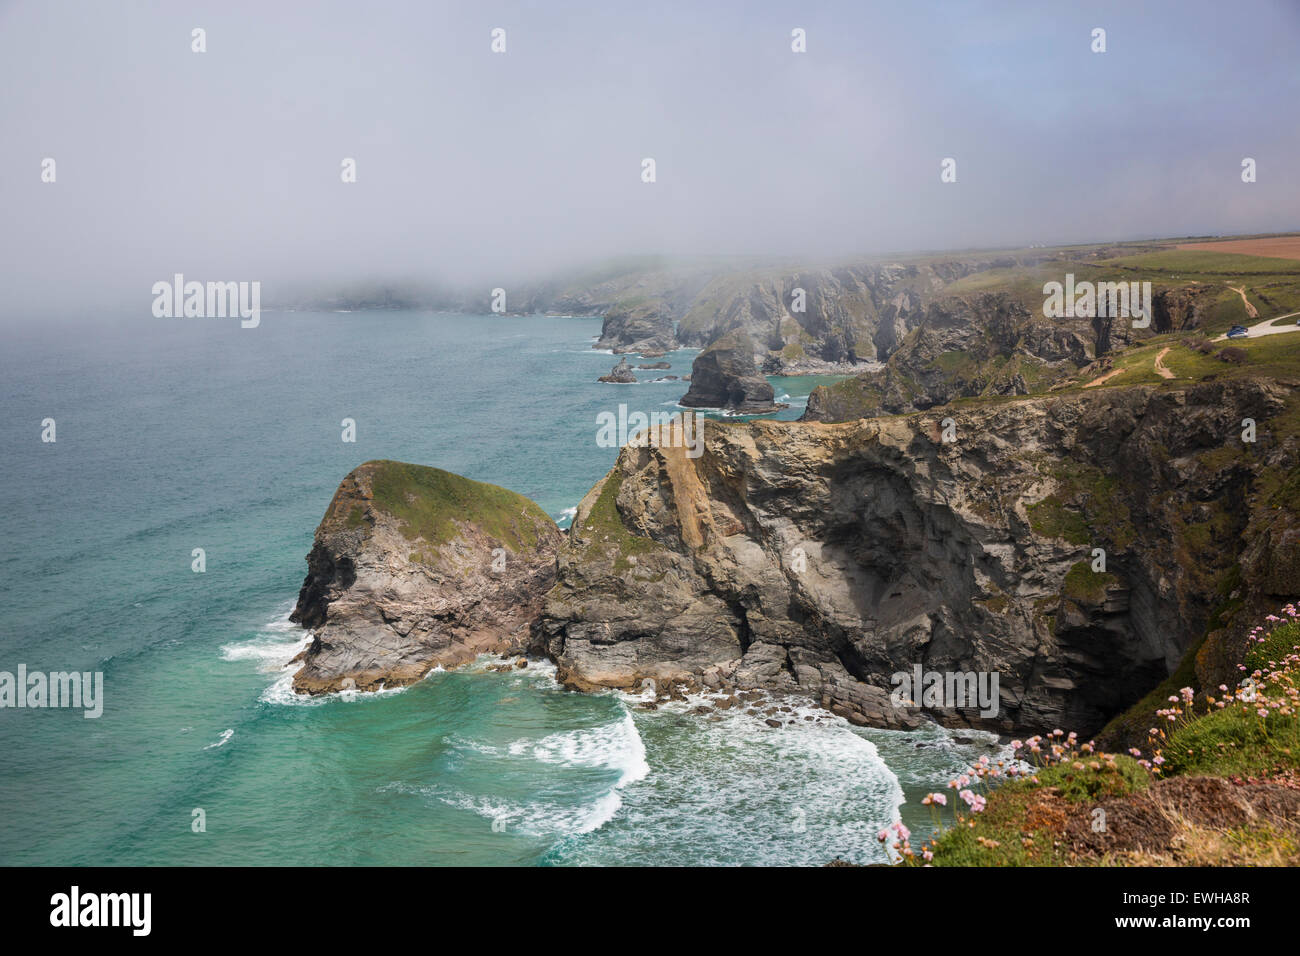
x=725, y=376
x=620, y=374
x=414, y=567
x=822, y=559
x=639, y=327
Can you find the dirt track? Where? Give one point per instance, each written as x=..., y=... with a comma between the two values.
x=1161, y=368
x=1251, y=311
x=1109, y=375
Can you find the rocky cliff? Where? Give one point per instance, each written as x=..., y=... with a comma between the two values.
x=414, y=567
x=1080, y=545
x=960, y=347
x=642, y=327
x=823, y=558
x=801, y=320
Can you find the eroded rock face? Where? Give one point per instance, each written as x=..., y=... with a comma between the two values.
x=959, y=347
x=823, y=558
x=414, y=567
x=725, y=376
x=818, y=319
x=643, y=328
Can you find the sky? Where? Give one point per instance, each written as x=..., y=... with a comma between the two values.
x=475, y=167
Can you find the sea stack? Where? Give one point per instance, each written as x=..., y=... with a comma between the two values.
x=725, y=376
x=415, y=567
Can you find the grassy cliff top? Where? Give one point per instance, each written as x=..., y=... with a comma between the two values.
x=431, y=503
x=1221, y=786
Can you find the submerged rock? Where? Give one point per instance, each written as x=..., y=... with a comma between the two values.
x=414, y=567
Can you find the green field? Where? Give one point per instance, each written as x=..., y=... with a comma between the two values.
x=1191, y=264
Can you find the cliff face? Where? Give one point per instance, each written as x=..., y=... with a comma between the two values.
x=822, y=558
x=800, y=320
x=414, y=567
x=1181, y=308
x=959, y=347
x=643, y=328
x=813, y=319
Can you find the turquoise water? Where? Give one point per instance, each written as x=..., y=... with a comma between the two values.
x=174, y=435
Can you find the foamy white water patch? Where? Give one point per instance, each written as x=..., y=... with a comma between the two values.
x=737, y=791
x=543, y=818
x=276, y=642
x=282, y=692
x=616, y=745
x=271, y=652
x=222, y=740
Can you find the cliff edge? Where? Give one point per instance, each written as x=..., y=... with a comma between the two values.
x=823, y=558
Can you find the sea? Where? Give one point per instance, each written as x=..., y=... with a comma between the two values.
x=196, y=443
